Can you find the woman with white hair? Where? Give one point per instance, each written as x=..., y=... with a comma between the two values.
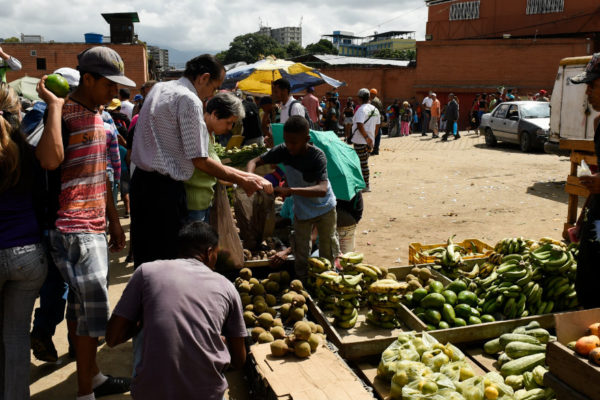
x=365, y=124
x=221, y=113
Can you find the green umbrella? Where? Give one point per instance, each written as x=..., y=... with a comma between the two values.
x=25, y=87
x=343, y=165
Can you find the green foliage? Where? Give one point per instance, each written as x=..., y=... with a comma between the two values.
x=406, y=55
x=251, y=48
x=294, y=49
x=323, y=46
x=12, y=40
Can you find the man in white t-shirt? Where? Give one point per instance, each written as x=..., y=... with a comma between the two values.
x=365, y=124
x=126, y=105
x=426, y=117
x=281, y=89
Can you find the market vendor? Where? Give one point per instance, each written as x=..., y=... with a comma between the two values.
x=588, y=264
x=222, y=111
x=308, y=183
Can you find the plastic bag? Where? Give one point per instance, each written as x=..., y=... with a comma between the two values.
x=584, y=169
x=255, y=216
x=435, y=359
x=436, y=386
x=458, y=369
x=407, y=372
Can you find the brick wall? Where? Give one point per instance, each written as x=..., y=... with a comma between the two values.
x=59, y=55
x=497, y=17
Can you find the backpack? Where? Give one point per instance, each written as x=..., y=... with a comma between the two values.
x=311, y=125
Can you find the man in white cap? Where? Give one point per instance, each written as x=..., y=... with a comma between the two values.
x=74, y=142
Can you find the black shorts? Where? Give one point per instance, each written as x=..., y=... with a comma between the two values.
x=124, y=186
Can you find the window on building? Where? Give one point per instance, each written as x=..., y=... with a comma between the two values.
x=466, y=10
x=545, y=6
x=41, y=63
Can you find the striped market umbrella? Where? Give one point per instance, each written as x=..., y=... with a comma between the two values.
x=257, y=78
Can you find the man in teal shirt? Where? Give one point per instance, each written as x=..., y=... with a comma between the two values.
x=7, y=62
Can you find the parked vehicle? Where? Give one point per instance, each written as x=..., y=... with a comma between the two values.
x=525, y=123
x=571, y=118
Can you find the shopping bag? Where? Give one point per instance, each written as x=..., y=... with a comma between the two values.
x=232, y=253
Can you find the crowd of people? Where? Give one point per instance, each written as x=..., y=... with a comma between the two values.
x=63, y=160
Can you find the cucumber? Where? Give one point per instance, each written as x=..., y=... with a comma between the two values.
x=517, y=337
x=492, y=346
x=523, y=364
x=519, y=349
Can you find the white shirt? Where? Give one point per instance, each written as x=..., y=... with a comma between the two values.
x=127, y=108
x=284, y=114
x=428, y=102
x=368, y=115
x=170, y=131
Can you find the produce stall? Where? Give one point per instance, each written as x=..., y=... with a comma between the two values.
x=482, y=322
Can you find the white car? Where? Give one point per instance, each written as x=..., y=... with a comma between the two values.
x=526, y=123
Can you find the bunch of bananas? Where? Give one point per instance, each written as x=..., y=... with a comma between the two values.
x=509, y=289
x=351, y=258
x=370, y=274
x=340, y=294
x=384, y=298
x=557, y=264
x=316, y=265
x=495, y=258
x=512, y=246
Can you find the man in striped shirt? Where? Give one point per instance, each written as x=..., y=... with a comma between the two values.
x=171, y=139
x=74, y=140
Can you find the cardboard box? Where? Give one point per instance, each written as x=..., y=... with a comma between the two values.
x=573, y=370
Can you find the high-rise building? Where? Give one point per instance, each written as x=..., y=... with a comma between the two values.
x=160, y=56
x=283, y=36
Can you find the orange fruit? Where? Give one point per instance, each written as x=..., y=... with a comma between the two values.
x=58, y=85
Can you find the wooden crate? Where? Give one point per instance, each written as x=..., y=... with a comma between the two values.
x=414, y=250
x=322, y=376
x=562, y=391
x=573, y=370
x=367, y=371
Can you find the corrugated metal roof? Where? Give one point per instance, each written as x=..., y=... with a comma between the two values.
x=343, y=60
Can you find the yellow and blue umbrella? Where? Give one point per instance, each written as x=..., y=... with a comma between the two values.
x=257, y=78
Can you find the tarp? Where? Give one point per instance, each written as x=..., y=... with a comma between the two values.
x=343, y=165
x=25, y=87
x=257, y=78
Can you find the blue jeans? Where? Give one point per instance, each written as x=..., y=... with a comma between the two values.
x=199, y=215
x=22, y=273
x=53, y=298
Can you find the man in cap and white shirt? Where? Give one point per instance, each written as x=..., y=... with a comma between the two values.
x=74, y=142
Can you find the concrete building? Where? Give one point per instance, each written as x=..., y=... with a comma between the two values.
x=160, y=57
x=366, y=46
x=283, y=36
x=39, y=59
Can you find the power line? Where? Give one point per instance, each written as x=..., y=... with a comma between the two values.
x=393, y=19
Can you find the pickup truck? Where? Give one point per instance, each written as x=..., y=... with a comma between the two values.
x=571, y=117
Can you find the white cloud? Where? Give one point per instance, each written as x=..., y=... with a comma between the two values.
x=209, y=25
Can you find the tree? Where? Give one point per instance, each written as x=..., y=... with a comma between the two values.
x=251, y=48
x=294, y=49
x=12, y=40
x=221, y=56
x=323, y=46
x=407, y=55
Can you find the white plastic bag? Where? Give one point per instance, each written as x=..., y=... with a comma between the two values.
x=584, y=169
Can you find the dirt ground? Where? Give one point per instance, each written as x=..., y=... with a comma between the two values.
x=423, y=190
